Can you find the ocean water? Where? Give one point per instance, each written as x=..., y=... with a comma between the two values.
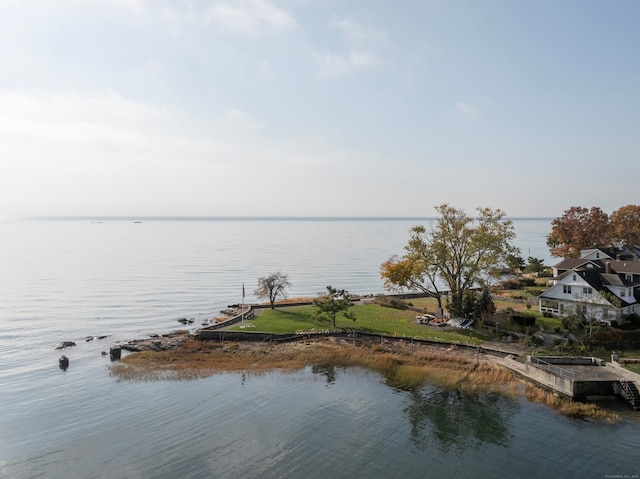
x=76, y=279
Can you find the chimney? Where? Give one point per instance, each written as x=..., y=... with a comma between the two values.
x=607, y=267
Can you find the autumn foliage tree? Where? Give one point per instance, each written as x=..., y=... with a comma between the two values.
x=415, y=271
x=625, y=225
x=460, y=251
x=577, y=229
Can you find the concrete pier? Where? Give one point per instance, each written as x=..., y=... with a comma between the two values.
x=575, y=377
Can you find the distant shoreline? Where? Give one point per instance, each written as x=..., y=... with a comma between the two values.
x=249, y=218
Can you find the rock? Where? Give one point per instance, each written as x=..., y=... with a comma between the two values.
x=115, y=353
x=65, y=344
x=95, y=338
x=157, y=343
x=63, y=362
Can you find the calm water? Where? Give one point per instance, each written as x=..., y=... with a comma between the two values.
x=66, y=280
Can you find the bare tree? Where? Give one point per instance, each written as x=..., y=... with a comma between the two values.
x=272, y=287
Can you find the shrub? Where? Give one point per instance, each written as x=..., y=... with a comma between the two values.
x=391, y=302
x=522, y=282
x=632, y=320
x=523, y=319
x=537, y=340
x=510, y=284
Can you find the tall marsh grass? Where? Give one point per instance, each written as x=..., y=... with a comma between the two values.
x=403, y=366
x=568, y=407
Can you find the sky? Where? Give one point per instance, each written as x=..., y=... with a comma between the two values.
x=317, y=107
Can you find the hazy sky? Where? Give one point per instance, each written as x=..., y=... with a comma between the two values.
x=317, y=108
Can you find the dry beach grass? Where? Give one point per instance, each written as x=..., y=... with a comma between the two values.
x=403, y=365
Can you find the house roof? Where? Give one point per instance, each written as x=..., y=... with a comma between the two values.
x=610, y=252
x=573, y=263
x=612, y=280
x=621, y=266
x=617, y=266
x=593, y=277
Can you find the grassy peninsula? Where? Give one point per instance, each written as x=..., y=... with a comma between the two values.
x=403, y=364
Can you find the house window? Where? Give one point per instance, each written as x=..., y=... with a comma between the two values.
x=566, y=289
x=587, y=290
x=623, y=293
x=574, y=277
x=628, y=277
x=597, y=254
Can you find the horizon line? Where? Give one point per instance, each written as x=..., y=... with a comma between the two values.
x=235, y=218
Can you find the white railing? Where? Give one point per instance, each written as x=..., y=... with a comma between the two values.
x=552, y=368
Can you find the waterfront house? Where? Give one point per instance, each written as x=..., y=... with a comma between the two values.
x=603, y=284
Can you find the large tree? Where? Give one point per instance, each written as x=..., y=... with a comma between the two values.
x=416, y=270
x=625, y=225
x=577, y=229
x=272, y=286
x=460, y=251
x=332, y=304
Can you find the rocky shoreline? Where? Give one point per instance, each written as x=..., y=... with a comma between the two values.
x=164, y=342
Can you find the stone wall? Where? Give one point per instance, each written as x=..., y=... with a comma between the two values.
x=549, y=379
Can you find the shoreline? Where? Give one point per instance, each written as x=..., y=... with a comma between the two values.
x=403, y=364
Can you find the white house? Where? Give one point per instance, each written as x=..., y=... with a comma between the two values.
x=593, y=289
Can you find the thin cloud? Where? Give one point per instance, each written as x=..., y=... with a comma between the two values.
x=240, y=119
x=467, y=110
x=250, y=16
x=135, y=6
x=358, y=33
x=364, y=49
x=334, y=65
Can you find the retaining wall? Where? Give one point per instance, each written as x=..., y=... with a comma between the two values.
x=248, y=314
x=549, y=379
x=575, y=361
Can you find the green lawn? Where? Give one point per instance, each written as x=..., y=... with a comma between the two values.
x=371, y=318
x=633, y=367
x=549, y=324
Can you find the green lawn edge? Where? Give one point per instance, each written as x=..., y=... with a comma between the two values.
x=371, y=318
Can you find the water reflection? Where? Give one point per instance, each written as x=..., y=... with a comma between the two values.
x=448, y=419
x=451, y=420
x=329, y=371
